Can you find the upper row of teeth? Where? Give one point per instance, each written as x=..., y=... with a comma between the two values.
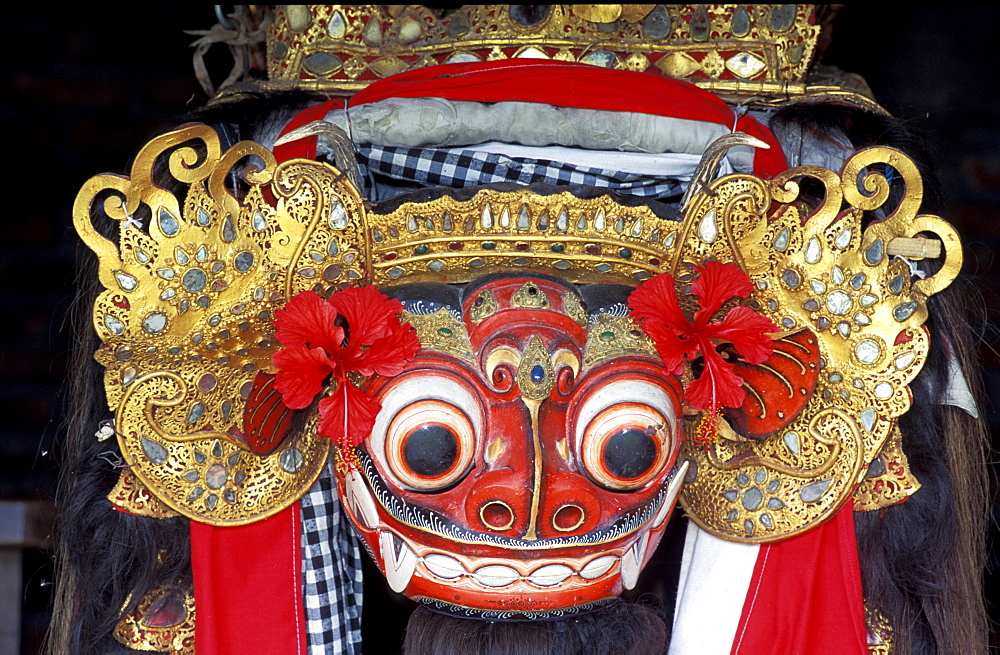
x=498, y=575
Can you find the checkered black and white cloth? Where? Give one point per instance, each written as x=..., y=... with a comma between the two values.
x=456, y=167
x=331, y=554
x=331, y=572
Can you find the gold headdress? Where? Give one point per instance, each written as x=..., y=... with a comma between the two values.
x=186, y=319
x=764, y=52
x=220, y=245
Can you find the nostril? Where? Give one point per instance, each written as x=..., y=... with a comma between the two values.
x=568, y=517
x=497, y=515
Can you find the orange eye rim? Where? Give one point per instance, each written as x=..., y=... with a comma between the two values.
x=421, y=414
x=610, y=422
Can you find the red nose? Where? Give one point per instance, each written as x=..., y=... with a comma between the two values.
x=503, y=502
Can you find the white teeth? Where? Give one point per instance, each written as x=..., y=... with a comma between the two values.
x=550, y=575
x=632, y=561
x=495, y=575
x=443, y=566
x=595, y=568
x=672, y=490
x=361, y=501
x=399, y=561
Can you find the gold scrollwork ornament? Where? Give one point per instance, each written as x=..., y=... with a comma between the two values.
x=826, y=273
x=186, y=315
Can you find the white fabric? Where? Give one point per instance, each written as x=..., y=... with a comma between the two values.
x=715, y=578
x=804, y=146
x=673, y=165
x=437, y=122
x=957, y=393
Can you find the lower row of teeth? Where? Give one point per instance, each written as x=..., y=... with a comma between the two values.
x=498, y=575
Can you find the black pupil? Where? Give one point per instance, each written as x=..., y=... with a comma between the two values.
x=629, y=454
x=430, y=450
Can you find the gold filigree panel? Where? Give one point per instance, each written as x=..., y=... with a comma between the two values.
x=826, y=273
x=888, y=480
x=163, y=622
x=131, y=496
x=616, y=336
x=442, y=332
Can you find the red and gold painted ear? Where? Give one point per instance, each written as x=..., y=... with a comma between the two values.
x=777, y=389
x=266, y=419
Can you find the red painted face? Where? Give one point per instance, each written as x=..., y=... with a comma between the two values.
x=532, y=474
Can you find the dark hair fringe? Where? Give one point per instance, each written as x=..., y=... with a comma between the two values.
x=922, y=561
x=106, y=560
x=620, y=628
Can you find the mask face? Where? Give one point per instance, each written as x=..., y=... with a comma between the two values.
x=525, y=463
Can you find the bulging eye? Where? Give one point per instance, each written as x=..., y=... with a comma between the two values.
x=429, y=445
x=626, y=445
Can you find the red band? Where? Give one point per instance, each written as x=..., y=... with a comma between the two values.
x=248, y=587
x=805, y=596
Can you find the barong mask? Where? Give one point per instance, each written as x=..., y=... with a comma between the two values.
x=525, y=460
x=509, y=395
x=513, y=384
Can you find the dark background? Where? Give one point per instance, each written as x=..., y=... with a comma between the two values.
x=81, y=92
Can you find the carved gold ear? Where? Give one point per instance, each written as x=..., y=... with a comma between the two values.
x=819, y=272
x=191, y=287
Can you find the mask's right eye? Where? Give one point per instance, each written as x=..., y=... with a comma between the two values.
x=429, y=444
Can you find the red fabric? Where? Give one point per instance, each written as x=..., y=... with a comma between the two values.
x=805, y=595
x=248, y=579
x=567, y=84
x=248, y=587
x=560, y=83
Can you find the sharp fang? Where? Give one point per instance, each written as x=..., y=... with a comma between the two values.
x=673, y=489
x=360, y=500
x=399, y=561
x=632, y=561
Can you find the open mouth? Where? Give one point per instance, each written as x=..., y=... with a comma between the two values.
x=495, y=582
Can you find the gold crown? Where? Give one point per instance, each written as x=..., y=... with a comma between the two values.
x=742, y=50
x=186, y=319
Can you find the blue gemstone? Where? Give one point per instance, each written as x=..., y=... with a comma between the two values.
x=537, y=373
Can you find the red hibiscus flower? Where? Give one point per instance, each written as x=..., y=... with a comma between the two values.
x=677, y=337
x=317, y=349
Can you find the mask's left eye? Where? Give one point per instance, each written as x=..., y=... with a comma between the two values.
x=625, y=432
x=626, y=445
x=429, y=445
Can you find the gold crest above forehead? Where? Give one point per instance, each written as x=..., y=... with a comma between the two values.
x=192, y=281
x=741, y=50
